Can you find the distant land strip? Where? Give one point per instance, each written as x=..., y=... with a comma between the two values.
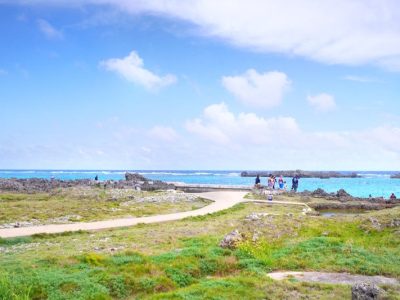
x=301, y=174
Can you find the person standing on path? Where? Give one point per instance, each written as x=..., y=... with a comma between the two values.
x=270, y=182
x=280, y=182
x=258, y=181
x=295, y=183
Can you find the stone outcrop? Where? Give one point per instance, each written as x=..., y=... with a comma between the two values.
x=365, y=291
x=301, y=174
x=231, y=240
x=134, y=177
x=139, y=181
x=395, y=176
x=320, y=193
x=38, y=184
x=31, y=185
x=342, y=196
x=362, y=205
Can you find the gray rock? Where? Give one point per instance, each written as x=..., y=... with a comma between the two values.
x=320, y=193
x=375, y=223
x=231, y=240
x=31, y=185
x=395, y=223
x=256, y=216
x=134, y=177
x=365, y=291
x=343, y=194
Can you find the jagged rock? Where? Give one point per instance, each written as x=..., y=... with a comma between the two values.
x=395, y=175
x=231, y=240
x=320, y=193
x=32, y=185
x=365, y=291
x=342, y=194
x=135, y=177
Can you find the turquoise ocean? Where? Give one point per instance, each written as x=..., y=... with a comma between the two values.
x=375, y=183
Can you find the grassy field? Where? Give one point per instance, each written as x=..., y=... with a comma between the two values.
x=183, y=260
x=89, y=204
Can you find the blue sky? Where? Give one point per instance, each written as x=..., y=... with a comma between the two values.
x=200, y=85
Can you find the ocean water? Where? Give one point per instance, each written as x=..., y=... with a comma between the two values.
x=375, y=183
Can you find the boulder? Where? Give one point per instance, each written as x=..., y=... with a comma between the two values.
x=319, y=193
x=365, y=291
x=231, y=240
x=136, y=177
x=395, y=223
x=343, y=194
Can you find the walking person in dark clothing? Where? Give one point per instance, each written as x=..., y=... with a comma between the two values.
x=258, y=181
x=295, y=183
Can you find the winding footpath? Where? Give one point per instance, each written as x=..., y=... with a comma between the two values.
x=221, y=201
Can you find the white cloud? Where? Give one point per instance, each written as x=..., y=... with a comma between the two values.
x=258, y=89
x=250, y=141
x=163, y=133
x=333, y=32
x=132, y=69
x=48, y=30
x=3, y=72
x=322, y=102
x=221, y=126
x=362, y=79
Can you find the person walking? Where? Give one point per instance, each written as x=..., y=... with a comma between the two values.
x=280, y=182
x=295, y=183
x=270, y=182
x=258, y=181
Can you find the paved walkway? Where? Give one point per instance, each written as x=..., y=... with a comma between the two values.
x=222, y=200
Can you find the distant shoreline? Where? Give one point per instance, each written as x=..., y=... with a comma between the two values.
x=302, y=174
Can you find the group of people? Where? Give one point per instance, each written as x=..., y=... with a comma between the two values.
x=271, y=181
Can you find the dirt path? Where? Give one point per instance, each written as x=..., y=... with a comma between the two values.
x=334, y=278
x=222, y=200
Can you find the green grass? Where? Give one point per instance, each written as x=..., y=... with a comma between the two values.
x=86, y=204
x=182, y=259
x=332, y=246
x=199, y=270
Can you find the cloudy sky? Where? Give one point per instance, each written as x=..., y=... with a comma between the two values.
x=200, y=84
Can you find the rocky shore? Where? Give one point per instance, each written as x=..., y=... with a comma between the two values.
x=343, y=200
x=301, y=174
x=31, y=185
x=395, y=176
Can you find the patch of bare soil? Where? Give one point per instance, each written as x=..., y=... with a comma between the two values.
x=334, y=278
